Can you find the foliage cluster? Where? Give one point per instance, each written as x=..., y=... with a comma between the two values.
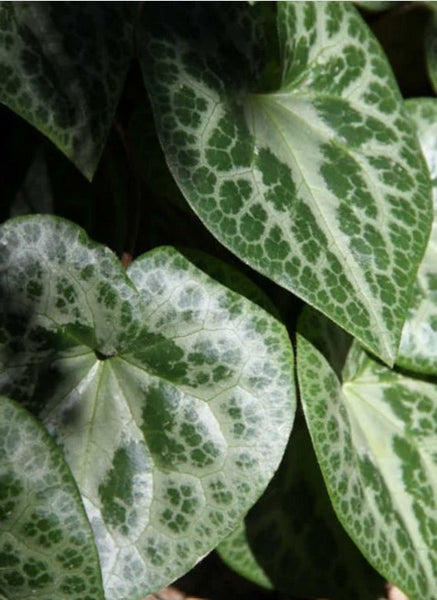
x=245, y=357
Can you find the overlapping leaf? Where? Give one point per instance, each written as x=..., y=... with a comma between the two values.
x=291, y=539
x=171, y=395
x=375, y=434
x=318, y=184
x=62, y=68
x=418, y=348
x=46, y=544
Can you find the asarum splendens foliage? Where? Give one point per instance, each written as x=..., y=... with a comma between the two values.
x=259, y=188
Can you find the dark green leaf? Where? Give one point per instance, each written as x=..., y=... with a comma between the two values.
x=431, y=48
x=291, y=539
x=376, y=5
x=62, y=68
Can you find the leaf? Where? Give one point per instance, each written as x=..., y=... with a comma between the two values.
x=291, y=539
x=374, y=432
x=172, y=396
x=17, y=149
x=149, y=158
x=46, y=543
x=401, y=33
x=418, y=348
x=230, y=277
x=376, y=5
x=62, y=68
x=318, y=184
x=35, y=193
x=431, y=47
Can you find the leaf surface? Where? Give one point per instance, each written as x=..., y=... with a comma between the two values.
x=172, y=396
x=291, y=539
x=296, y=155
x=418, y=348
x=46, y=544
x=63, y=68
x=374, y=432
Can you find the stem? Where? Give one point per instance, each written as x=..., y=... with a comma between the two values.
x=134, y=210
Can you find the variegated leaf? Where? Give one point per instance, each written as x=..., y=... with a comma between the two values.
x=303, y=165
x=375, y=434
x=62, y=68
x=172, y=396
x=46, y=544
x=291, y=539
x=418, y=348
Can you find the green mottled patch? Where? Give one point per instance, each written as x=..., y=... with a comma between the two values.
x=374, y=432
x=45, y=537
x=171, y=396
x=336, y=200
x=418, y=347
x=53, y=73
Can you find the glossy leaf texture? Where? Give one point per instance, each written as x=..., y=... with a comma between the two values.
x=63, y=67
x=418, y=348
x=46, y=543
x=295, y=154
x=291, y=539
x=172, y=396
x=431, y=47
x=374, y=432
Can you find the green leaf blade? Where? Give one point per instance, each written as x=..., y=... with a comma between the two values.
x=46, y=543
x=418, y=347
x=55, y=77
x=172, y=434
x=311, y=184
x=374, y=434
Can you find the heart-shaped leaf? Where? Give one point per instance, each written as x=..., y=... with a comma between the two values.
x=291, y=539
x=62, y=68
x=418, y=348
x=46, y=544
x=318, y=184
x=172, y=396
x=375, y=433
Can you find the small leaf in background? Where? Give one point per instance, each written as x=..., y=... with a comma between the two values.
x=18, y=142
x=35, y=194
x=431, y=47
x=46, y=544
x=255, y=134
x=375, y=433
x=376, y=5
x=171, y=396
x=62, y=68
x=291, y=539
x=401, y=33
x=418, y=348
